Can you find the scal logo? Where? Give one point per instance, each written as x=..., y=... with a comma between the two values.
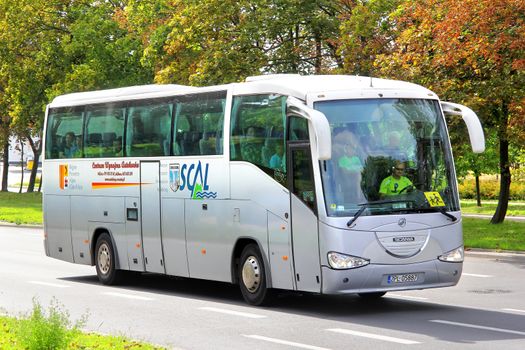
x=191, y=177
x=63, y=176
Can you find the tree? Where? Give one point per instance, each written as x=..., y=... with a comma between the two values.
x=472, y=52
x=220, y=41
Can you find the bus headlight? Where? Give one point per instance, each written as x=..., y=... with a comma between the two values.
x=455, y=255
x=342, y=261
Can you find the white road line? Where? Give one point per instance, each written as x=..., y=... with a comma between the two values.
x=47, y=284
x=231, y=312
x=284, y=342
x=476, y=275
x=128, y=296
x=401, y=296
x=514, y=310
x=374, y=336
x=478, y=327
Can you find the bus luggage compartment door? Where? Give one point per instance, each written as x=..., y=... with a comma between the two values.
x=150, y=216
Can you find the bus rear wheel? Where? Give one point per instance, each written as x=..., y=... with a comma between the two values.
x=105, y=260
x=252, y=276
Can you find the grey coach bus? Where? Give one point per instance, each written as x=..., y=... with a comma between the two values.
x=324, y=184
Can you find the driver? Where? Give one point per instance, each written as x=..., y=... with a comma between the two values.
x=395, y=183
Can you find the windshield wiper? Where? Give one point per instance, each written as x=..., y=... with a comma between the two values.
x=444, y=211
x=368, y=204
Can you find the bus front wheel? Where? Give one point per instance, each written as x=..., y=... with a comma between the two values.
x=105, y=260
x=252, y=277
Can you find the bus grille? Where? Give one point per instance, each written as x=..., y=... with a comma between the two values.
x=403, y=245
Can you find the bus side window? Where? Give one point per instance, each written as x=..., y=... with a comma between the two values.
x=104, y=125
x=62, y=122
x=199, y=121
x=257, y=133
x=147, y=133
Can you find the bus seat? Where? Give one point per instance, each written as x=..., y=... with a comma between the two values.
x=108, y=138
x=94, y=139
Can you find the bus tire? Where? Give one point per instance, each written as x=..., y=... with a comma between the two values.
x=371, y=296
x=105, y=260
x=252, y=276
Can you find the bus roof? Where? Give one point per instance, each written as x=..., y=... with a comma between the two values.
x=287, y=84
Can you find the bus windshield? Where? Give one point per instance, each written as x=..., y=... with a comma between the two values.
x=388, y=155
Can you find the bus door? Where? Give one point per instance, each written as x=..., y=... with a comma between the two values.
x=305, y=238
x=150, y=217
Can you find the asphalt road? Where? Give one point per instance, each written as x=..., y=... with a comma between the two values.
x=486, y=310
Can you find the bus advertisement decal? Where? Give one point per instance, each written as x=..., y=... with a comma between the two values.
x=191, y=177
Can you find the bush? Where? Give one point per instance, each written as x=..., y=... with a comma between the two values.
x=47, y=332
x=489, y=188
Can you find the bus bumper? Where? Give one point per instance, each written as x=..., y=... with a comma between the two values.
x=384, y=278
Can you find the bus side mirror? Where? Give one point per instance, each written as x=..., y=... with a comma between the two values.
x=475, y=131
x=321, y=127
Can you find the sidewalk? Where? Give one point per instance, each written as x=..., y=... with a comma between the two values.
x=482, y=216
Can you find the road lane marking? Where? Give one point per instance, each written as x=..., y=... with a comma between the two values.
x=231, y=312
x=514, y=310
x=476, y=275
x=468, y=325
x=374, y=336
x=400, y=296
x=47, y=284
x=128, y=296
x=284, y=342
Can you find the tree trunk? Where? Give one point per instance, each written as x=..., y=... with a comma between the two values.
x=37, y=150
x=504, y=187
x=478, y=194
x=21, y=166
x=5, y=168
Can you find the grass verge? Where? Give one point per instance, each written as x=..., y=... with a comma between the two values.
x=480, y=233
x=53, y=330
x=21, y=208
x=489, y=207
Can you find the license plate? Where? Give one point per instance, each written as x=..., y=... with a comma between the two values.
x=409, y=277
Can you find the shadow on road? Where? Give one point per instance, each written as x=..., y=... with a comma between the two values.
x=394, y=314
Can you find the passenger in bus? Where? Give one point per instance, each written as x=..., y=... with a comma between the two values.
x=79, y=141
x=69, y=148
x=349, y=166
x=277, y=160
x=117, y=147
x=396, y=183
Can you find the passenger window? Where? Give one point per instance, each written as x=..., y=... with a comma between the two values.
x=199, y=123
x=104, y=129
x=148, y=130
x=257, y=133
x=64, y=133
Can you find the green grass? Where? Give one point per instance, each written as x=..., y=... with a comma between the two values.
x=52, y=329
x=488, y=207
x=21, y=208
x=480, y=233
x=80, y=341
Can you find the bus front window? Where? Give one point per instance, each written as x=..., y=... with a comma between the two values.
x=390, y=155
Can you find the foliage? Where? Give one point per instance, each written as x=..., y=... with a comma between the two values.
x=218, y=41
x=489, y=189
x=366, y=31
x=471, y=51
x=47, y=331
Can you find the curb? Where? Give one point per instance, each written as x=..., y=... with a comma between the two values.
x=10, y=224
